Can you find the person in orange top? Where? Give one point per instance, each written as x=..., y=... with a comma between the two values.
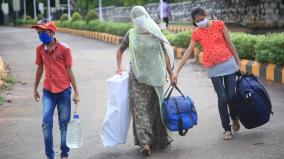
x=55, y=57
x=222, y=61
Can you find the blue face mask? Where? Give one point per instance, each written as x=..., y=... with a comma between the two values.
x=45, y=38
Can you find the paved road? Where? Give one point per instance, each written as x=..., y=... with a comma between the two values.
x=20, y=121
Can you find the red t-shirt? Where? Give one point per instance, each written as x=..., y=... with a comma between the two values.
x=214, y=45
x=55, y=64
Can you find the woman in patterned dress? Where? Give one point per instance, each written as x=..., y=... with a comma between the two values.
x=151, y=59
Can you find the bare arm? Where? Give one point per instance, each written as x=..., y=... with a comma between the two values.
x=119, y=54
x=168, y=65
x=76, y=98
x=39, y=72
x=186, y=56
x=231, y=45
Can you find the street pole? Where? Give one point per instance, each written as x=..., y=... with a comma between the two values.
x=25, y=10
x=100, y=10
x=161, y=11
x=48, y=9
x=69, y=9
x=34, y=2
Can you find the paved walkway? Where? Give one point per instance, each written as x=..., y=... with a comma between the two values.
x=20, y=121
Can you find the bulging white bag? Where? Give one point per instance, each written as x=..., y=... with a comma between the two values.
x=118, y=115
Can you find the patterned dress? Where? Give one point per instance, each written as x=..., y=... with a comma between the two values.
x=148, y=127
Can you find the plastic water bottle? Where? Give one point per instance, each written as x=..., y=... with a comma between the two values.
x=74, y=133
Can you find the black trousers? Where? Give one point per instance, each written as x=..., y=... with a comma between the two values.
x=166, y=20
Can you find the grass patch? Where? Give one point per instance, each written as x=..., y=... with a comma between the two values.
x=2, y=100
x=10, y=80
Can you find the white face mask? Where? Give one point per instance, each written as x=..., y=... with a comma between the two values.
x=203, y=23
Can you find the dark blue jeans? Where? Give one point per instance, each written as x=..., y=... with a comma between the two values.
x=225, y=88
x=62, y=101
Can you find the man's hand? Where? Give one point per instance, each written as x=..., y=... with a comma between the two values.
x=76, y=98
x=36, y=95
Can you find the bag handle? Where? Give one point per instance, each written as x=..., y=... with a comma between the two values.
x=169, y=91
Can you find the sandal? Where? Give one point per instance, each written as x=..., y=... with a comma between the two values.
x=236, y=125
x=227, y=135
x=145, y=150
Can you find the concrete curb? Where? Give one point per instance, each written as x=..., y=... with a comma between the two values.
x=177, y=28
x=269, y=72
x=114, y=39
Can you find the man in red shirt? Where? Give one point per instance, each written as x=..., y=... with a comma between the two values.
x=55, y=57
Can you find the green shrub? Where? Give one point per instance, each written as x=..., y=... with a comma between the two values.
x=170, y=36
x=64, y=17
x=79, y=25
x=93, y=25
x=76, y=17
x=28, y=17
x=2, y=100
x=40, y=16
x=66, y=24
x=91, y=15
x=244, y=44
x=271, y=49
x=10, y=79
x=57, y=23
x=182, y=39
x=29, y=20
x=111, y=28
x=20, y=21
x=123, y=28
x=101, y=27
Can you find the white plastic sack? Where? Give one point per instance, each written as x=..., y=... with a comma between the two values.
x=117, y=119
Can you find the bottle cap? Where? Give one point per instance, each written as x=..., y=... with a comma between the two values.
x=76, y=116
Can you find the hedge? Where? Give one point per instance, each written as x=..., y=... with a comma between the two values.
x=64, y=17
x=263, y=48
x=76, y=17
x=91, y=15
x=271, y=49
x=245, y=44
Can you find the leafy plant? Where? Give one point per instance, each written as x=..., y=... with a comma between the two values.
x=271, y=49
x=245, y=43
x=2, y=100
x=91, y=15
x=76, y=17
x=182, y=39
x=79, y=25
x=28, y=17
x=10, y=79
x=64, y=17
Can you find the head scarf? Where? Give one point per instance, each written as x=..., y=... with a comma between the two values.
x=144, y=23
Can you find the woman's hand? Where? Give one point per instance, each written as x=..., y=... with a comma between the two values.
x=119, y=71
x=174, y=78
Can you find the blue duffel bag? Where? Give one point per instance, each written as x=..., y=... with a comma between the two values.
x=178, y=111
x=251, y=101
